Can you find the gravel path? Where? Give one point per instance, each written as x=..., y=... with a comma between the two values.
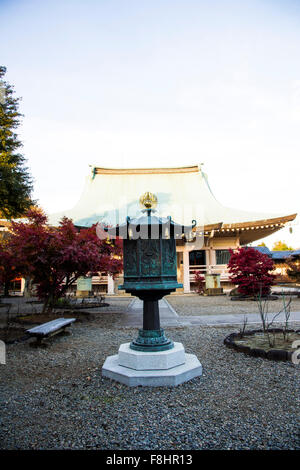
x=55, y=398
x=217, y=305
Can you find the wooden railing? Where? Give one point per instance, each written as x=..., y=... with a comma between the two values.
x=221, y=269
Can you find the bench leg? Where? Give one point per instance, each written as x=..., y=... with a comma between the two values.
x=38, y=342
x=64, y=332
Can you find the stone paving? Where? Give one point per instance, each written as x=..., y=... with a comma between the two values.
x=134, y=314
x=169, y=317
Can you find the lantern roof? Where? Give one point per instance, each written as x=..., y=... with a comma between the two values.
x=148, y=220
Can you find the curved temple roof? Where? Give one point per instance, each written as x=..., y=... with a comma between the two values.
x=112, y=194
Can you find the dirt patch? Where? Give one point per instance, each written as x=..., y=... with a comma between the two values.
x=260, y=340
x=11, y=335
x=39, y=318
x=81, y=306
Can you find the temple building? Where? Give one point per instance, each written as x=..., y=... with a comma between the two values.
x=112, y=194
x=280, y=259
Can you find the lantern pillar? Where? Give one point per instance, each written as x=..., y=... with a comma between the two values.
x=151, y=319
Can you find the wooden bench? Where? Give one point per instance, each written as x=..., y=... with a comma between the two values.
x=48, y=329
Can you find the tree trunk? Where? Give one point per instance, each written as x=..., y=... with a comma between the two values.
x=44, y=306
x=27, y=287
x=6, y=289
x=48, y=304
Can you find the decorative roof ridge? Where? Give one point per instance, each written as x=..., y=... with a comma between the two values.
x=97, y=170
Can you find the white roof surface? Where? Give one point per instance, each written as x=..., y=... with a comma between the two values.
x=110, y=195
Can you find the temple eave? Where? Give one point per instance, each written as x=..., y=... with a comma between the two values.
x=272, y=223
x=249, y=236
x=246, y=231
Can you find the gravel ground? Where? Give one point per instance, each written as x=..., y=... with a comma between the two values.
x=217, y=305
x=55, y=398
x=21, y=306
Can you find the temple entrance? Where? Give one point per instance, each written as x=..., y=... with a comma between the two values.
x=197, y=258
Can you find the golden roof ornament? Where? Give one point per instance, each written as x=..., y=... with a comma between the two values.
x=148, y=201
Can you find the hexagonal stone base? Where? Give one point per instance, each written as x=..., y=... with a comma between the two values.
x=152, y=378
x=140, y=360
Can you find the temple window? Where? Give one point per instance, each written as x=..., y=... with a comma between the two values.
x=222, y=256
x=197, y=258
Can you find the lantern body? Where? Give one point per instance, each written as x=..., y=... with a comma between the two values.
x=150, y=265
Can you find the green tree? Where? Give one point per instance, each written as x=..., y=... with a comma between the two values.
x=15, y=180
x=281, y=246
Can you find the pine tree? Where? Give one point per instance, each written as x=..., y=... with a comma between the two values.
x=15, y=180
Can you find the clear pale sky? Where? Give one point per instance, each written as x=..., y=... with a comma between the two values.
x=160, y=83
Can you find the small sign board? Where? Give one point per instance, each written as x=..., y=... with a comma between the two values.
x=212, y=281
x=84, y=283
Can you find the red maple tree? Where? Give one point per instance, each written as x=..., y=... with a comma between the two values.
x=200, y=282
x=250, y=271
x=55, y=257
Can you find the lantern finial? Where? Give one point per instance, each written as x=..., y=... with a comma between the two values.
x=148, y=201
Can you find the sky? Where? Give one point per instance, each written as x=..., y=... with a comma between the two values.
x=136, y=83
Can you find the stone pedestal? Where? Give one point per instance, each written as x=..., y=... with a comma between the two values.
x=153, y=369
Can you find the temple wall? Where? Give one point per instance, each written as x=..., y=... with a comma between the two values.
x=224, y=243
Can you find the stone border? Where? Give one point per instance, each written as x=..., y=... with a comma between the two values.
x=272, y=354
